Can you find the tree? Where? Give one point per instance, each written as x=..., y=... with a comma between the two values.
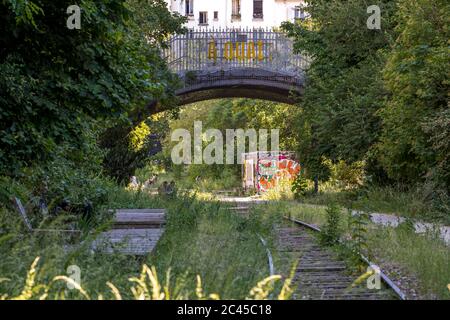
x=413, y=143
x=223, y=114
x=154, y=23
x=344, y=89
x=57, y=82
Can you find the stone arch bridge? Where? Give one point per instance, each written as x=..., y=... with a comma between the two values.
x=250, y=63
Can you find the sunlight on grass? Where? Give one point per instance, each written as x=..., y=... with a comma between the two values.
x=411, y=203
x=145, y=287
x=425, y=256
x=202, y=238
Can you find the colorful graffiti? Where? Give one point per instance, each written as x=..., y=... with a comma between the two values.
x=274, y=169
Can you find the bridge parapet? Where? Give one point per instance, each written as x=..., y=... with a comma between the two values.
x=213, y=50
x=210, y=58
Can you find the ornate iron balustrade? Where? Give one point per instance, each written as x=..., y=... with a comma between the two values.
x=253, y=63
x=209, y=50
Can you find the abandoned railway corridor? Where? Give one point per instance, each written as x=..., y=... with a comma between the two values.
x=224, y=150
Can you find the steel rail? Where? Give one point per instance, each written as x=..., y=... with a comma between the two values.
x=269, y=256
x=383, y=276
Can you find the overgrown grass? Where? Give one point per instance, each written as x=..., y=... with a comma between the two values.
x=308, y=213
x=222, y=247
x=411, y=203
x=282, y=191
x=18, y=249
x=201, y=239
x=228, y=180
x=424, y=257
x=147, y=286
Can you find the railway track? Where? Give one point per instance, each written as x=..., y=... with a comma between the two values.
x=320, y=274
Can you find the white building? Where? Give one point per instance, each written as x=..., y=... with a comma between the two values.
x=237, y=13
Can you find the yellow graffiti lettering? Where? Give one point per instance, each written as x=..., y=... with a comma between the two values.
x=260, y=50
x=212, y=51
x=251, y=54
x=229, y=52
x=240, y=50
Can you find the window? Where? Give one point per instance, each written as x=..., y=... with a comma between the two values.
x=203, y=17
x=189, y=7
x=236, y=9
x=258, y=9
x=216, y=15
x=299, y=13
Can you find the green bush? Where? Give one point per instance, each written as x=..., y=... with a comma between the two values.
x=344, y=175
x=70, y=184
x=55, y=82
x=300, y=186
x=357, y=225
x=331, y=232
x=281, y=191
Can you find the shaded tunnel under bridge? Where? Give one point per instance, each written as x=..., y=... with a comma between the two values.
x=251, y=63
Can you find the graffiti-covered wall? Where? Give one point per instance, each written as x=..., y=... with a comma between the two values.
x=264, y=170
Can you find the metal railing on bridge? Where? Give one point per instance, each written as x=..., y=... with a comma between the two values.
x=209, y=50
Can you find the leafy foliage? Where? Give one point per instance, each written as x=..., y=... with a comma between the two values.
x=346, y=176
x=357, y=225
x=331, y=232
x=300, y=186
x=55, y=81
x=230, y=114
x=344, y=89
x=378, y=96
x=416, y=75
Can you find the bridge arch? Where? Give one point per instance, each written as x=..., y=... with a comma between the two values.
x=250, y=63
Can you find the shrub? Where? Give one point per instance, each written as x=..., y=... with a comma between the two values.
x=76, y=182
x=331, y=232
x=300, y=186
x=71, y=182
x=346, y=176
x=357, y=224
x=282, y=191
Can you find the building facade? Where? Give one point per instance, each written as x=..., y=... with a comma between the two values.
x=237, y=13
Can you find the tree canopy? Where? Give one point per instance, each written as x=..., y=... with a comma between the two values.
x=376, y=95
x=57, y=82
